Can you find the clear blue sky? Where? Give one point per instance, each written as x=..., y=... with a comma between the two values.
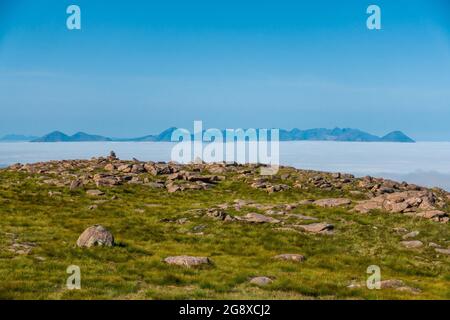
x=137, y=67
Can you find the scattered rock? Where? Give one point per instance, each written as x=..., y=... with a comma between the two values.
x=106, y=180
x=384, y=194
x=262, y=183
x=277, y=188
x=40, y=258
x=22, y=248
x=367, y=206
x=400, y=230
x=94, y=193
x=394, y=284
x=398, y=285
x=443, y=251
x=290, y=257
x=301, y=217
x=171, y=188
x=76, y=184
x=330, y=203
x=110, y=167
x=414, y=244
x=187, y=261
x=261, y=281
x=435, y=215
x=216, y=213
x=156, y=185
x=96, y=235
x=182, y=221
x=258, y=218
x=391, y=284
x=125, y=168
x=322, y=228
x=413, y=203
x=434, y=245
x=411, y=235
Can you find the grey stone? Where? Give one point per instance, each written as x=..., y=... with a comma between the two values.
x=187, y=261
x=96, y=235
x=261, y=281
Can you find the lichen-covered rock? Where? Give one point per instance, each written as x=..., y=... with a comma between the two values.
x=96, y=235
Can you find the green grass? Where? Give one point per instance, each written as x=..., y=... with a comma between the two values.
x=134, y=269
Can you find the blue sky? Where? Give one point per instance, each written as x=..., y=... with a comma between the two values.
x=138, y=67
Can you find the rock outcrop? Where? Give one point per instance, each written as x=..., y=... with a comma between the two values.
x=378, y=194
x=413, y=203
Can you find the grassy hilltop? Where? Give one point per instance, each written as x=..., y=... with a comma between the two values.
x=230, y=214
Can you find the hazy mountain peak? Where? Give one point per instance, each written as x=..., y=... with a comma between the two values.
x=396, y=136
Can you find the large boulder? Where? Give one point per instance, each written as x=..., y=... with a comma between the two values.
x=96, y=235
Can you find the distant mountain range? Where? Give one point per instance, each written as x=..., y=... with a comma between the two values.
x=17, y=138
x=318, y=134
x=57, y=136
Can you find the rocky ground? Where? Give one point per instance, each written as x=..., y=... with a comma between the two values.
x=164, y=230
